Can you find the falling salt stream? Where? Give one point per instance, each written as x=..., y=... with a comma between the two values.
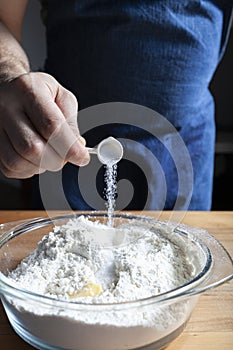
x=110, y=190
x=109, y=151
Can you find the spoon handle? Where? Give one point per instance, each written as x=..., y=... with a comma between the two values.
x=92, y=150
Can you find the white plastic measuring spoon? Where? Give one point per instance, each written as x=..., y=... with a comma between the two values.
x=109, y=151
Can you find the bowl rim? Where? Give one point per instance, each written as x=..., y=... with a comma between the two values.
x=192, y=287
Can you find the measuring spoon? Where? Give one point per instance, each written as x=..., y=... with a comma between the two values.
x=109, y=151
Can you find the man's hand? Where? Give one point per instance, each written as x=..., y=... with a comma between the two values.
x=38, y=127
x=38, y=117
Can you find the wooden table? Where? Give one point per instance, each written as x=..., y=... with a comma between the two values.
x=211, y=324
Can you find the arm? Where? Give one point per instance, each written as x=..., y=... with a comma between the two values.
x=13, y=60
x=38, y=117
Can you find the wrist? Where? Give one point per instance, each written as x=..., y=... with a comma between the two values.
x=10, y=71
x=13, y=60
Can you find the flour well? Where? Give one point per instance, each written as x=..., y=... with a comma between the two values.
x=89, y=262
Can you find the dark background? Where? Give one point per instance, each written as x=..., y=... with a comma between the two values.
x=222, y=89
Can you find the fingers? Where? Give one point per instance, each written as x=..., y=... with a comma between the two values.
x=68, y=146
x=30, y=146
x=12, y=164
x=56, y=121
x=38, y=127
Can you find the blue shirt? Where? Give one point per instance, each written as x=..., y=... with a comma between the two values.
x=159, y=54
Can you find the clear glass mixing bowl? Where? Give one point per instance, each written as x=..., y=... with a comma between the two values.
x=150, y=323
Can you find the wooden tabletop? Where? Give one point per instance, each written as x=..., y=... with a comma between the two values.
x=211, y=324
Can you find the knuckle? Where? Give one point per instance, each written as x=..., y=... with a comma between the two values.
x=51, y=127
x=68, y=103
x=67, y=94
x=71, y=97
x=29, y=148
x=72, y=153
x=78, y=154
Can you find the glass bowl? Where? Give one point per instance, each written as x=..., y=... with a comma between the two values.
x=150, y=323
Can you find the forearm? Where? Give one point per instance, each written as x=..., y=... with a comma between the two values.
x=13, y=59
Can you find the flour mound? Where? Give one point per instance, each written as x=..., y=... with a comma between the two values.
x=88, y=261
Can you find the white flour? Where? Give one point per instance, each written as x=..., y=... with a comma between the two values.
x=90, y=262
x=82, y=252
